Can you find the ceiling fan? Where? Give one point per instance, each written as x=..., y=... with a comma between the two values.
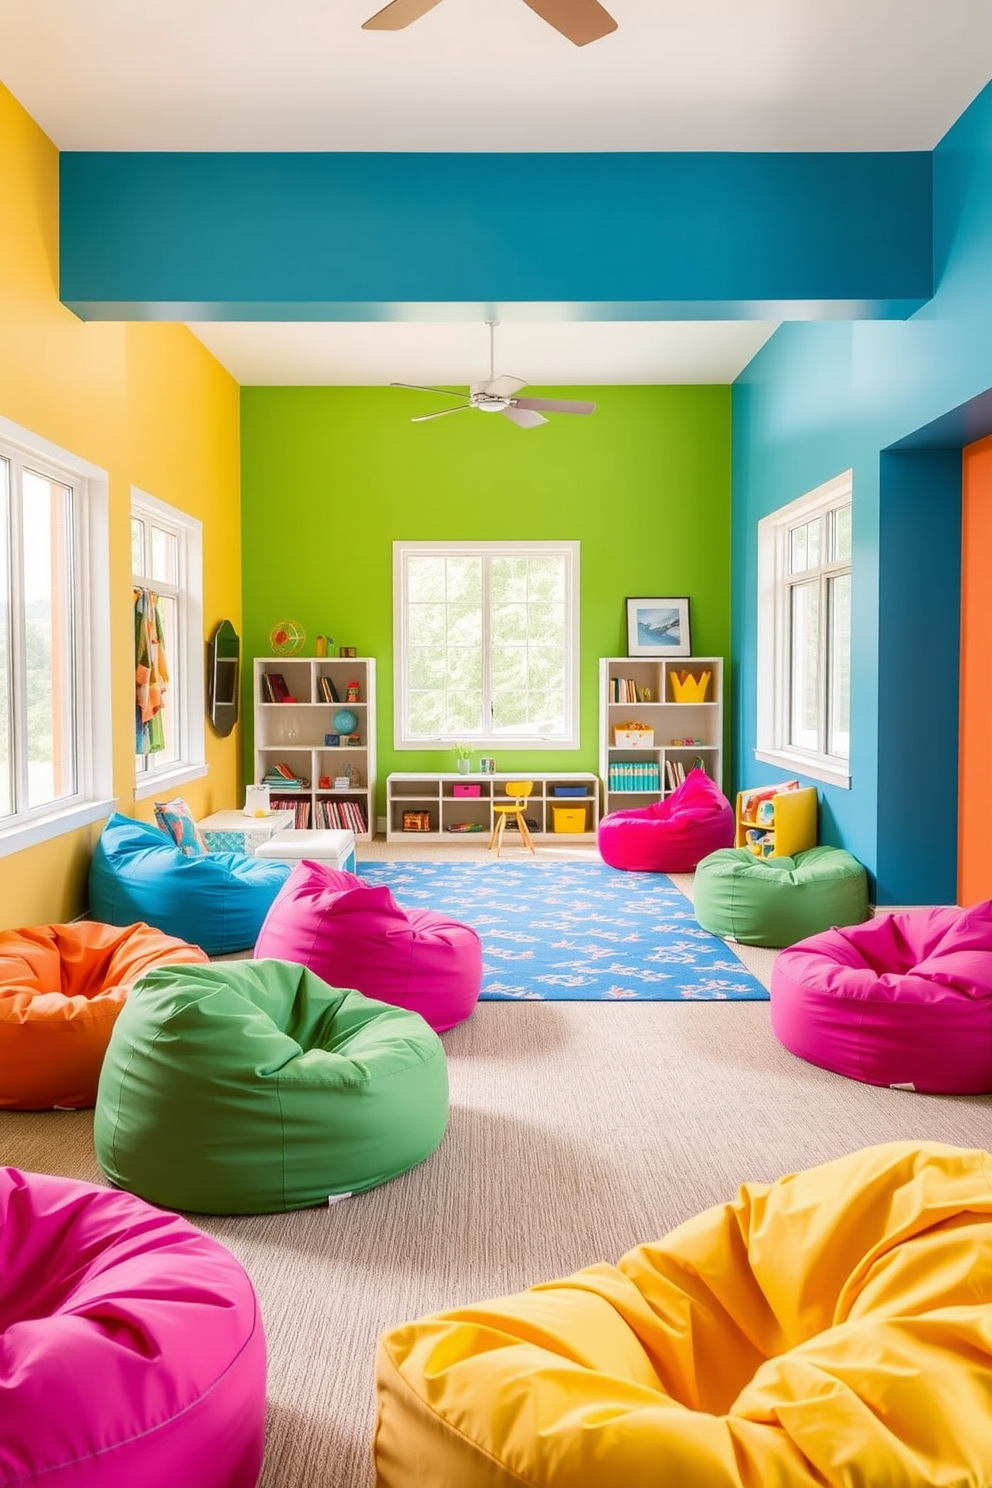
x=498, y=395
x=581, y=21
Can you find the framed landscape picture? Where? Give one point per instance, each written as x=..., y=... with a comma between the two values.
x=658, y=627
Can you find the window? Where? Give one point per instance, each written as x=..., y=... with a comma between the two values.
x=804, y=634
x=55, y=772
x=486, y=644
x=167, y=584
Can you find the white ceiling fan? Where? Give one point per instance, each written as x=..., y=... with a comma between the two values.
x=498, y=395
x=581, y=21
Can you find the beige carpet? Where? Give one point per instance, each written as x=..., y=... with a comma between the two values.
x=576, y=1131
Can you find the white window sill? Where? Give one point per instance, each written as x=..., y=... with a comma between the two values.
x=801, y=764
x=164, y=783
x=30, y=834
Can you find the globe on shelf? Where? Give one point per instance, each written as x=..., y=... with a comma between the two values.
x=287, y=638
x=344, y=721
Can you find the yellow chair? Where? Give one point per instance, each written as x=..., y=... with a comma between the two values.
x=518, y=790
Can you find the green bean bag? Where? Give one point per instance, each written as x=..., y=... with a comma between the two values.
x=778, y=901
x=252, y=1087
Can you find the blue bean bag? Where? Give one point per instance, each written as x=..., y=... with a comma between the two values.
x=217, y=901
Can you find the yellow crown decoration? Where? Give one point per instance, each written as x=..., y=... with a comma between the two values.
x=688, y=688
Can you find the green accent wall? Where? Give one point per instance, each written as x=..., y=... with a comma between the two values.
x=332, y=476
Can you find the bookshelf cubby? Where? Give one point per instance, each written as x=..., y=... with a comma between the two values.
x=294, y=734
x=678, y=699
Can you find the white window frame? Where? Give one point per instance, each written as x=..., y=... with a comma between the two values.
x=568, y=550
x=187, y=667
x=773, y=649
x=91, y=702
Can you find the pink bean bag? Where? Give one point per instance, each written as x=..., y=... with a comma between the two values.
x=354, y=934
x=904, y=999
x=673, y=835
x=132, y=1353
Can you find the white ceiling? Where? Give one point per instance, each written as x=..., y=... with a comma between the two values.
x=479, y=75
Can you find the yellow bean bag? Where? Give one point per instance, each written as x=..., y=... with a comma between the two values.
x=829, y=1330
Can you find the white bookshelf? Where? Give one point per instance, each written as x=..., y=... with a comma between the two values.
x=295, y=734
x=563, y=806
x=636, y=775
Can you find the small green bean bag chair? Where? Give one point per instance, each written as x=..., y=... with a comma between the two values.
x=252, y=1087
x=778, y=901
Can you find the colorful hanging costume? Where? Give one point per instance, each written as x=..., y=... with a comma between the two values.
x=151, y=673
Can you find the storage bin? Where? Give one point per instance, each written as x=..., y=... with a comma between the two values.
x=416, y=821
x=633, y=738
x=466, y=790
x=569, y=818
x=568, y=790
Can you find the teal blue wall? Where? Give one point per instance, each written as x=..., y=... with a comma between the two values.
x=606, y=236
x=822, y=398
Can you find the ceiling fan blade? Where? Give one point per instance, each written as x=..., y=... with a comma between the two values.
x=418, y=387
x=397, y=14
x=555, y=405
x=581, y=21
x=503, y=386
x=422, y=418
x=523, y=417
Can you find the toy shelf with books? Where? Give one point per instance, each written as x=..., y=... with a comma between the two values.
x=314, y=722
x=459, y=808
x=777, y=821
x=658, y=718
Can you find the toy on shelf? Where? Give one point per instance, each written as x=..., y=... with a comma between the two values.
x=687, y=687
x=287, y=638
x=777, y=821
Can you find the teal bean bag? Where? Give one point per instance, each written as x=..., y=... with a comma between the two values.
x=217, y=901
x=252, y=1087
x=778, y=901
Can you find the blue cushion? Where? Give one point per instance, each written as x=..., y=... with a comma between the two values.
x=217, y=902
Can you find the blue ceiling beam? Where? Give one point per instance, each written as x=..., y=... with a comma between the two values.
x=211, y=236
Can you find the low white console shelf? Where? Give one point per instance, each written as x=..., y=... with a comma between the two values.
x=439, y=808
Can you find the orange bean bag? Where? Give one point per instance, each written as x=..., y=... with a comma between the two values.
x=61, y=988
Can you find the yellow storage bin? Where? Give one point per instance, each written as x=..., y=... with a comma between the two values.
x=569, y=818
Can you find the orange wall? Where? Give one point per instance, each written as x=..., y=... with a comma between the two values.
x=148, y=404
x=975, y=763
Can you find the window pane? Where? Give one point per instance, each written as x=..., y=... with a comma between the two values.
x=165, y=557
x=841, y=531
x=804, y=666
x=6, y=675
x=814, y=543
x=48, y=639
x=797, y=550
x=839, y=668
x=137, y=547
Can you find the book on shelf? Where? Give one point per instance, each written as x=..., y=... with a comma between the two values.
x=275, y=685
x=328, y=692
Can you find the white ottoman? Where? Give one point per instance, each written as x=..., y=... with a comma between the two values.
x=336, y=848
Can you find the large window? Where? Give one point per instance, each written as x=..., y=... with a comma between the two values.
x=167, y=586
x=804, y=634
x=54, y=648
x=486, y=644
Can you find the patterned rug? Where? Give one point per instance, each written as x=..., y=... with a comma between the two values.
x=576, y=932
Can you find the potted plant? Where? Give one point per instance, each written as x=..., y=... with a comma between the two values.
x=463, y=755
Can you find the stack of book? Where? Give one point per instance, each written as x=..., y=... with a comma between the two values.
x=281, y=777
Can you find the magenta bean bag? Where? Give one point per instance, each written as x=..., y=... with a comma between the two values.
x=354, y=934
x=904, y=999
x=673, y=835
x=132, y=1353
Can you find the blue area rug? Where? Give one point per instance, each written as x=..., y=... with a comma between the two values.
x=576, y=932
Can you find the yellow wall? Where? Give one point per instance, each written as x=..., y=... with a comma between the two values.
x=150, y=405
